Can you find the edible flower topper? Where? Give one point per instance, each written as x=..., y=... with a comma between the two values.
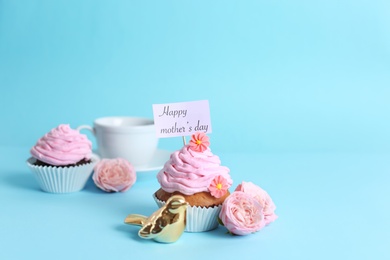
x=199, y=142
x=218, y=187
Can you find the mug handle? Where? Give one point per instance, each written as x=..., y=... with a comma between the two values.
x=86, y=127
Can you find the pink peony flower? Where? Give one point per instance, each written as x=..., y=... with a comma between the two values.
x=113, y=175
x=218, y=186
x=262, y=197
x=241, y=214
x=199, y=142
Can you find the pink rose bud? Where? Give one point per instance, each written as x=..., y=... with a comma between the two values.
x=262, y=197
x=241, y=214
x=113, y=175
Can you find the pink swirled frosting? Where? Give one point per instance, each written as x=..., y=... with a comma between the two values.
x=62, y=146
x=190, y=172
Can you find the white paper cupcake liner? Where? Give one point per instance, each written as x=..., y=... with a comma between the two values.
x=199, y=219
x=62, y=179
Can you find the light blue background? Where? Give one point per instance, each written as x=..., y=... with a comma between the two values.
x=299, y=96
x=281, y=76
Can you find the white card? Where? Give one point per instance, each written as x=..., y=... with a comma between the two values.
x=182, y=119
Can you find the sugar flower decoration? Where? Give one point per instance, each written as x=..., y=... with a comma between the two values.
x=113, y=175
x=218, y=186
x=242, y=214
x=199, y=142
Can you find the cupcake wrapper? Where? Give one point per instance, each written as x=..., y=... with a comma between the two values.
x=62, y=179
x=199, y=219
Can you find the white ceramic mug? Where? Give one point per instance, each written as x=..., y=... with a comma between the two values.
x=131, y=138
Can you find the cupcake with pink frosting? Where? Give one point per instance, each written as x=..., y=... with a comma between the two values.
x=195, y=173
x=62, y=160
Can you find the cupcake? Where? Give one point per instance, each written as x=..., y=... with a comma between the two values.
x=195, y=173
x=62, y=160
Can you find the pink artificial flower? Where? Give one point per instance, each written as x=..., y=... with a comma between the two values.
x=218, y=186
x=262, y=197
x=199, y=142
x=113, y=175
x=241, y=214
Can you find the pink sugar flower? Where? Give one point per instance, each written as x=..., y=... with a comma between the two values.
x=199, y=142
x=262, y=197
x=218, y=186
x=113, y=175
x=241, y=214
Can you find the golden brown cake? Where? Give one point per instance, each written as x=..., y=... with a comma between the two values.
x=201, y=199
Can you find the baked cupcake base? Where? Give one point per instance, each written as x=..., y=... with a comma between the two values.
x=54, y=179
x=201, y=199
